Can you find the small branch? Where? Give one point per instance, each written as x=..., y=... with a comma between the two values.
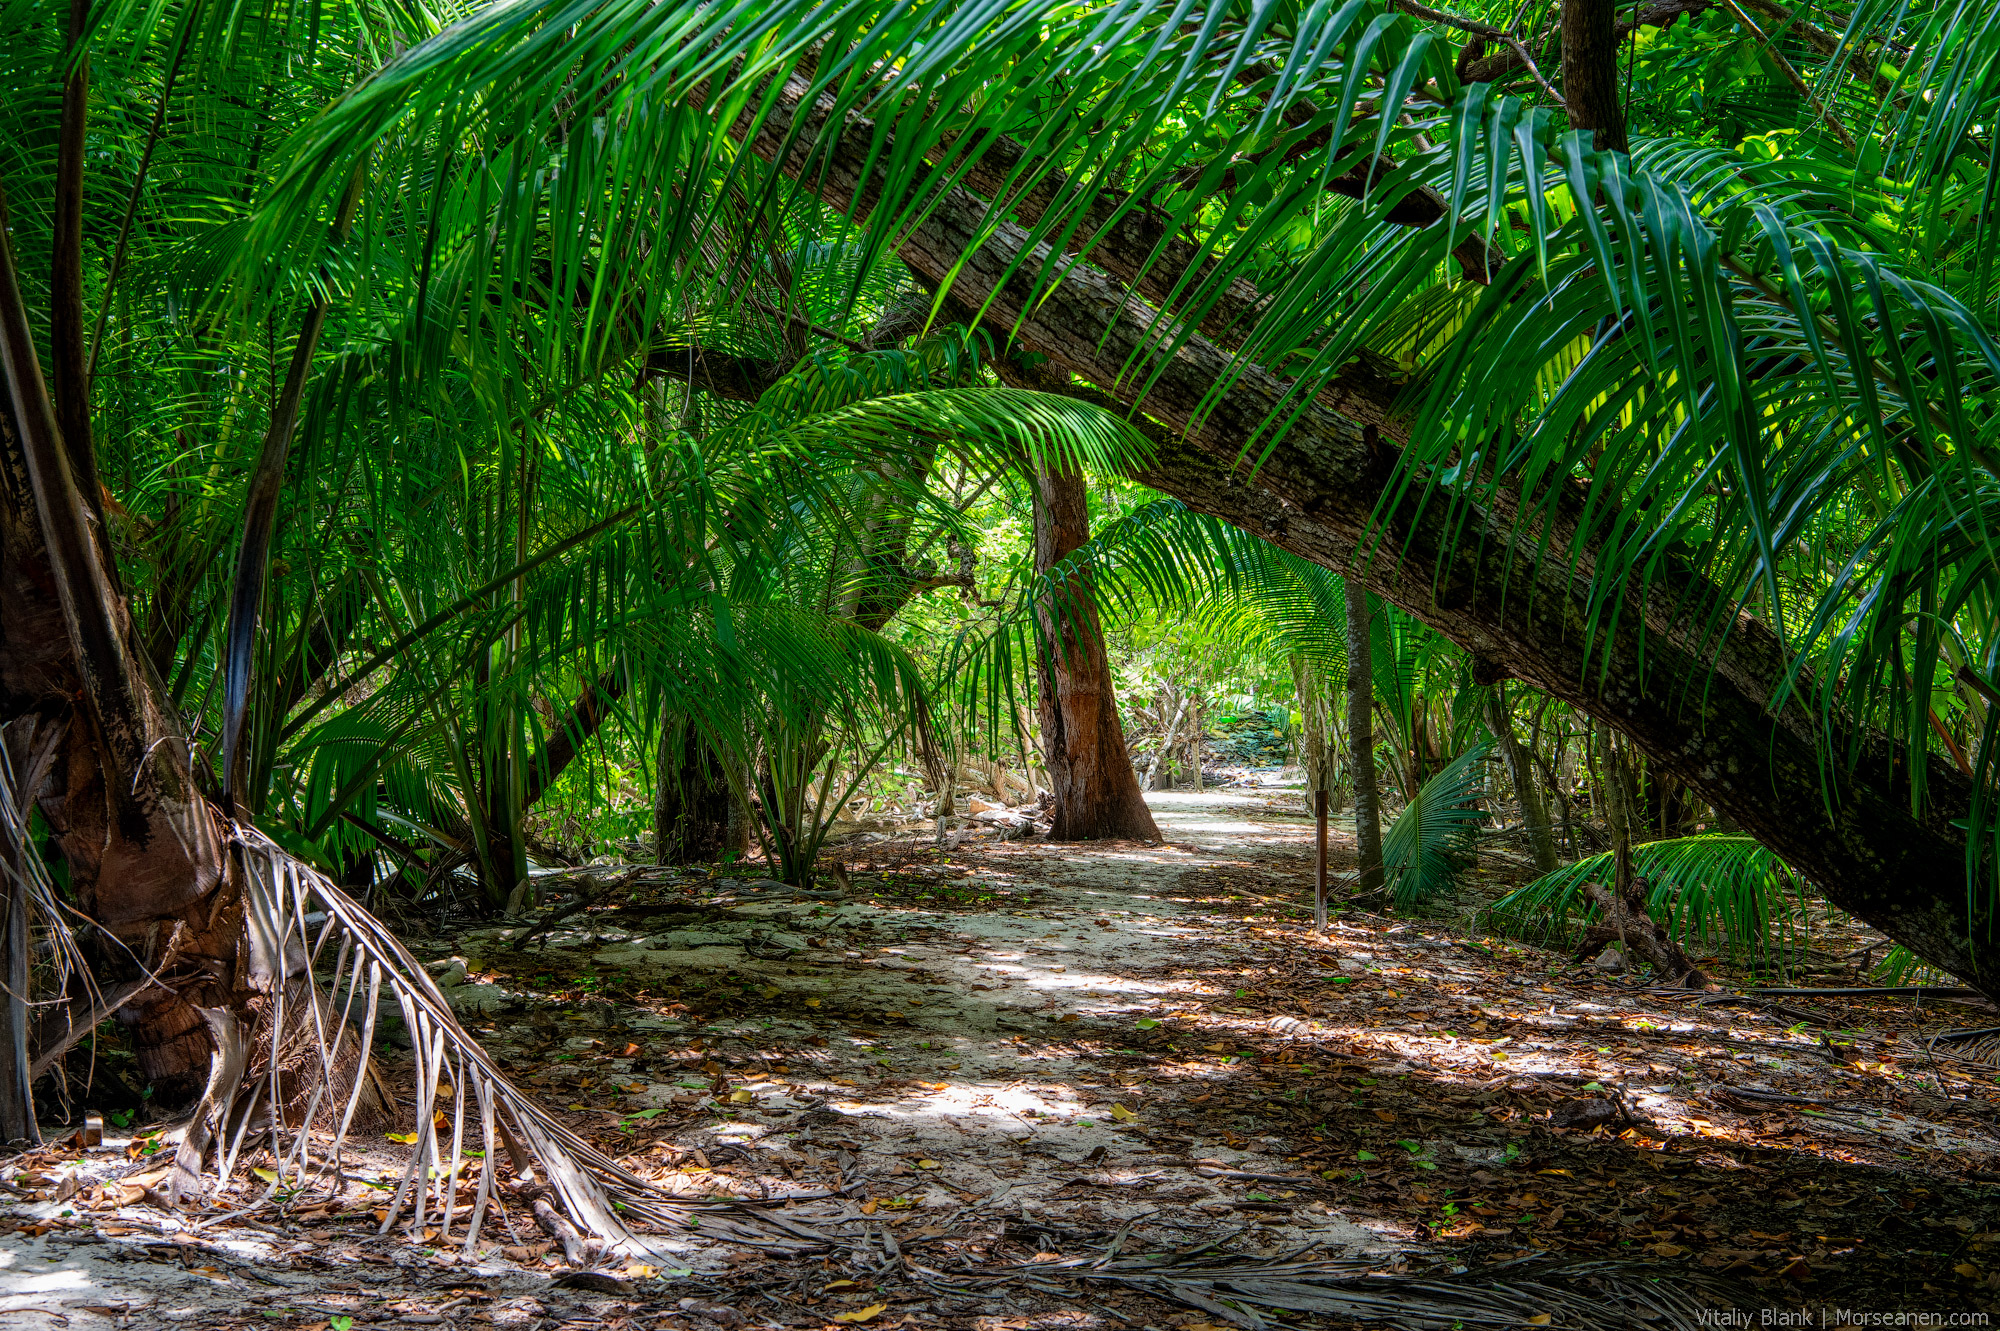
x=1771, y=48
x=1491, y=34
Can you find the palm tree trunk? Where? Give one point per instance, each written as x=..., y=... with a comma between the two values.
x=1361, y=741
x=113, y=774
x=1097, y=793
x=1534, y=811
x=1316, y=720
x=691, y=804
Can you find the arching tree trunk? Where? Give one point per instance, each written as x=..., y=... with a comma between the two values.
x=1361, y=740
x=1096, y=790
x=1481, y=575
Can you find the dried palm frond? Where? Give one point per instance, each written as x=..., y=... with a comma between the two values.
x=1980, y=1045
x=1525, y=1292
x=331, y=1017
x=39, y=955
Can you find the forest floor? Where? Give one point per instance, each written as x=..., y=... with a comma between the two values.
x=1003, y=1078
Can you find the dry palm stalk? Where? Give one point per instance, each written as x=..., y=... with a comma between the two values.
x=1525, y=1292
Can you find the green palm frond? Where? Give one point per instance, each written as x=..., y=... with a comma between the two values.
x=1429, y=844
x=1706, y=889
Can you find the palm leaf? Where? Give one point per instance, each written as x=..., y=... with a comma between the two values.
x=1425, y=848
x=1703, y=888
x=325, y=988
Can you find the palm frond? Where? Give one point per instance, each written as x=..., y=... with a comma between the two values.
x=1707, y=888
x=1425, y=848
x=324, y=989
x=1525, y=1292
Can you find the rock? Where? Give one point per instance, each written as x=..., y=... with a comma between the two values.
x=484, y=999
x=719, y=1313
x=1611, y=961
x=773, y=945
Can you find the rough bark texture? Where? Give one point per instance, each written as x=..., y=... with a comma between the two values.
x=1476, y=66
x=586, y=717
x=1097, y=793
x=691, y=797
x=1590, y=71
x=1697, y=706
x=1361, y=741
x=1317, y=728
x=1623, y=919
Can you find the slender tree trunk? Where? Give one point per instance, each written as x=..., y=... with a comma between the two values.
x=1618, y=810
x=17, y=1095
x=502, y=858
x=1534, y=812
x=1590, y=83
x=691, y=803
x=1159, y=774
x=1097, y=793
x=1316, y=721
x=593, y=707
x=1361, y=741
x=69, y=376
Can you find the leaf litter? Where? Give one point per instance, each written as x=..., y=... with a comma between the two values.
x=1017, y=1085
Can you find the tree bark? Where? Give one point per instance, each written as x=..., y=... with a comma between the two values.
x=1361, y=741
x=69, y=377
x=1590, y=71
x=1097, y=793
x=1534, y=811
x=138, y=837
x=691, y=802
x=586, y=717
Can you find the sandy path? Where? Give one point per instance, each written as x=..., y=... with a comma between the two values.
x=1017, y=1049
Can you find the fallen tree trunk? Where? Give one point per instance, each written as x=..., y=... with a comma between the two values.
x=1700, y=709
